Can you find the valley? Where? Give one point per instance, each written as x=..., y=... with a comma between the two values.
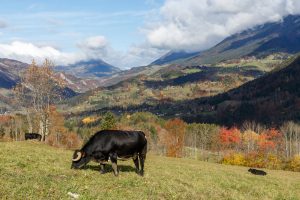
x=150, y=99
x=242, y=86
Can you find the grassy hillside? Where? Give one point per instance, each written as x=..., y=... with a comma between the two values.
x=30, y=170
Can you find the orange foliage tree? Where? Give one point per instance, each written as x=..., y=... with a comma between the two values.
x=59, y=135
x=230, y=138
x=270, y=140
x=174, y=138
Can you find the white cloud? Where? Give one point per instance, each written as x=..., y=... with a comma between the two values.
x=96, y=46
x=95, y=43
x=199, y=24
x=139, y=55
x=25, y=52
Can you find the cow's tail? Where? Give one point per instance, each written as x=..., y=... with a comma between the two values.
x=144, y=150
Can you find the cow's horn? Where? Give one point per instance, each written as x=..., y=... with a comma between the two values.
x=78, y=156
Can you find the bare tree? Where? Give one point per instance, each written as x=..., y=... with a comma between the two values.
x=38, y=89
x=253, y=126
x=291, y=132
x=23, y=104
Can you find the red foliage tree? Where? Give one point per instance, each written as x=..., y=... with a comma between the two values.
x=230, y=138
x=270, y=140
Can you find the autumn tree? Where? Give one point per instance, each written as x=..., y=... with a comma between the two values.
x=230, y=138
x=270, y=140
x=250, y=140
x=56, y=126
x=174, y=139
x=38, y=90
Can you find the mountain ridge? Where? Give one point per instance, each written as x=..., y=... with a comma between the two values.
x=274, y=37
x=93, y=68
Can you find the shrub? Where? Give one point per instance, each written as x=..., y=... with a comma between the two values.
x=66, y=140
x=71, y=141
x=52, y=140
x=273, y=162
x=255, y=159
x=294, y=164
x=234, y=159
x=2, y=131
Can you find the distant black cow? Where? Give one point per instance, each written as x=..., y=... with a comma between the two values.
x=257, y=172
x=33, y=136
x=113, y=145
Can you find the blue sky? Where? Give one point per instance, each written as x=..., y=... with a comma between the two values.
x=126, y=33
x=62, y=23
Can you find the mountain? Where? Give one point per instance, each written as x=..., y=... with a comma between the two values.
x=9, y=72
x=270, y=99
x=282, y=36
x=79, y=85
x=9, y=76
x=173, y=56
x=89, y=69
x=279, y=39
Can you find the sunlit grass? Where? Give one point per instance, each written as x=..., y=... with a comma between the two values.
x=30, y=170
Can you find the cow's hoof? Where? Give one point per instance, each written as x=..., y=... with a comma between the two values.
x=102, y=172
x=141, y=173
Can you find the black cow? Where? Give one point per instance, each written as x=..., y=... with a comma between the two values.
x=257, y=172
x=33, y=136
x=113, y=145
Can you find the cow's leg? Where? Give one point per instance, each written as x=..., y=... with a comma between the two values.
x=142, y=158
x=113, y=159
x=102, y=168
x=136, y=163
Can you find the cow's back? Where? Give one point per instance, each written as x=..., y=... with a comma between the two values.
x=121, y=142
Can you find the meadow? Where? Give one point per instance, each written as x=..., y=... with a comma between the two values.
x=32, y=170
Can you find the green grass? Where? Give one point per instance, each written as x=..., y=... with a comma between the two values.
x=29, y=170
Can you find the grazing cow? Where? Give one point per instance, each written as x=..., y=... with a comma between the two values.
x=113, y=145
x=257, y=172
x=33, y=136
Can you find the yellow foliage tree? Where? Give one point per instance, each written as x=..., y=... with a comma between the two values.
x=250, y=139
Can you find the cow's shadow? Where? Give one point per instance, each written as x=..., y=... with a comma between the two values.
x=108, y=168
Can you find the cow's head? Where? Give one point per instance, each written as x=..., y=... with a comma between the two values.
x=79, y=159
